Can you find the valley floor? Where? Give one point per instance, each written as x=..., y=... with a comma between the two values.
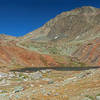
x=50, y=84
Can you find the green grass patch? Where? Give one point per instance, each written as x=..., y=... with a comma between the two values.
x=90, y=97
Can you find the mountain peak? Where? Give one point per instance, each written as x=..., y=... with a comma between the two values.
x=88, y=9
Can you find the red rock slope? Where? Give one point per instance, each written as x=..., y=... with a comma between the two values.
x=89, y=53
x=12, y=55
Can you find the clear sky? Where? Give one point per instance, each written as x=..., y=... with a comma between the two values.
x=18, y=17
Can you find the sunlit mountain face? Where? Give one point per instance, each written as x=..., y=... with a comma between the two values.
x=72, y=36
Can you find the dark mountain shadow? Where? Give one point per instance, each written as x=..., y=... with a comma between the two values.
x=34, y=69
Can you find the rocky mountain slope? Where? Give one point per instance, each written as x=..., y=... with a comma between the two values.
x=72, y=36
x=67, y=34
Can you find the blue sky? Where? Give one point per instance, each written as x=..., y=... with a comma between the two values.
x=18, y=17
